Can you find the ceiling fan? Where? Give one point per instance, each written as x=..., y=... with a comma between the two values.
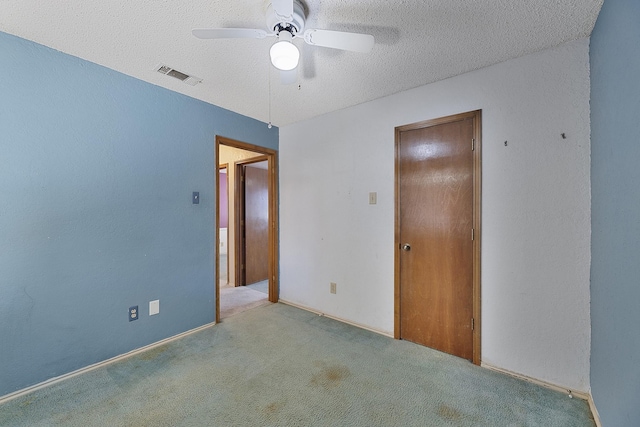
x=285, y=21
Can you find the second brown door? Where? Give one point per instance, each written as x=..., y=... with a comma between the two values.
x=436, y=202
x=256, y=224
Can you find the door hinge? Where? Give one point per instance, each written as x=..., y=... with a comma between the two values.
x=473, y=233
x=473, y=144
x=473, y=324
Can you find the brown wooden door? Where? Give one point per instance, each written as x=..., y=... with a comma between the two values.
x=256, y=224
x=436, y=218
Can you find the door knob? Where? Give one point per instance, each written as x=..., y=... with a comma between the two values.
x=406, y=247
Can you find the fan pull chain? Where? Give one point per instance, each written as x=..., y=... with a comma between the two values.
x=269, y=78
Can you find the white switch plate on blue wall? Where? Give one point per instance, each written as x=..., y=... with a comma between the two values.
x=154, y=307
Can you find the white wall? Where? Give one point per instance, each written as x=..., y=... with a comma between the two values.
x=223, y=241
x=535, y=211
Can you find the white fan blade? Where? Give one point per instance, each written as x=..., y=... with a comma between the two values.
x=340, y=40
x=289, y=77
x=283, y=9
x=229, y=33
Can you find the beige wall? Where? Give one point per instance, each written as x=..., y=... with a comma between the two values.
x=229, y=156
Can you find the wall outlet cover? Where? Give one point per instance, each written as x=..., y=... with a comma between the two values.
x=133, y=313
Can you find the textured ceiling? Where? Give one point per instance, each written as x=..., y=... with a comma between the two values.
x=417, y=42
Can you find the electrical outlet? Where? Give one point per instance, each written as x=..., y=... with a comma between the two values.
x=332, y=288
x=133, y=313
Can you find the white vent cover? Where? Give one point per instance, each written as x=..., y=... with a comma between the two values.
x=190, y=80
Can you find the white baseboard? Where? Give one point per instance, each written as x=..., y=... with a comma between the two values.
x=575, y=393
x=594, y=411
x=339, y=319
x=97, y=365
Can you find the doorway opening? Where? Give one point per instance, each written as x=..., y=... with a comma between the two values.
x=251, y=175
x=437, y=234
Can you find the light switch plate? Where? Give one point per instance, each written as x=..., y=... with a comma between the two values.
x=195, y=198
x=373, y=198
x=154, y=307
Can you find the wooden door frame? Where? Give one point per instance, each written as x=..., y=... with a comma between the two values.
x=239, y=208
x=272, y=159
x=477, y=210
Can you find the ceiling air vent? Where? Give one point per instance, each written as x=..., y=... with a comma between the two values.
x=190, y=80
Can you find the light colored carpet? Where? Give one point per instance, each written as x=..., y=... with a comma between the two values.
x=280, y=366
x=260, y=287
x=234, y=300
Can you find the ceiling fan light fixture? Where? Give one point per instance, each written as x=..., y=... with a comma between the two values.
x=284, y=54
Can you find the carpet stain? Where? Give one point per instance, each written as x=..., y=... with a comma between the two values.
x=449, y=413
x=330, y=376
x=273, y=408
x=26, y=402
x=154, y=352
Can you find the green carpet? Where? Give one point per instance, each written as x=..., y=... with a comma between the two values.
x=260, y=287
x=277, y=365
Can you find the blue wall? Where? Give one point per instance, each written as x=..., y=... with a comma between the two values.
x=615, y=190
x=96, y=175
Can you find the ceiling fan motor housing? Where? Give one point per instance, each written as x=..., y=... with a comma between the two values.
x=294, y=26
